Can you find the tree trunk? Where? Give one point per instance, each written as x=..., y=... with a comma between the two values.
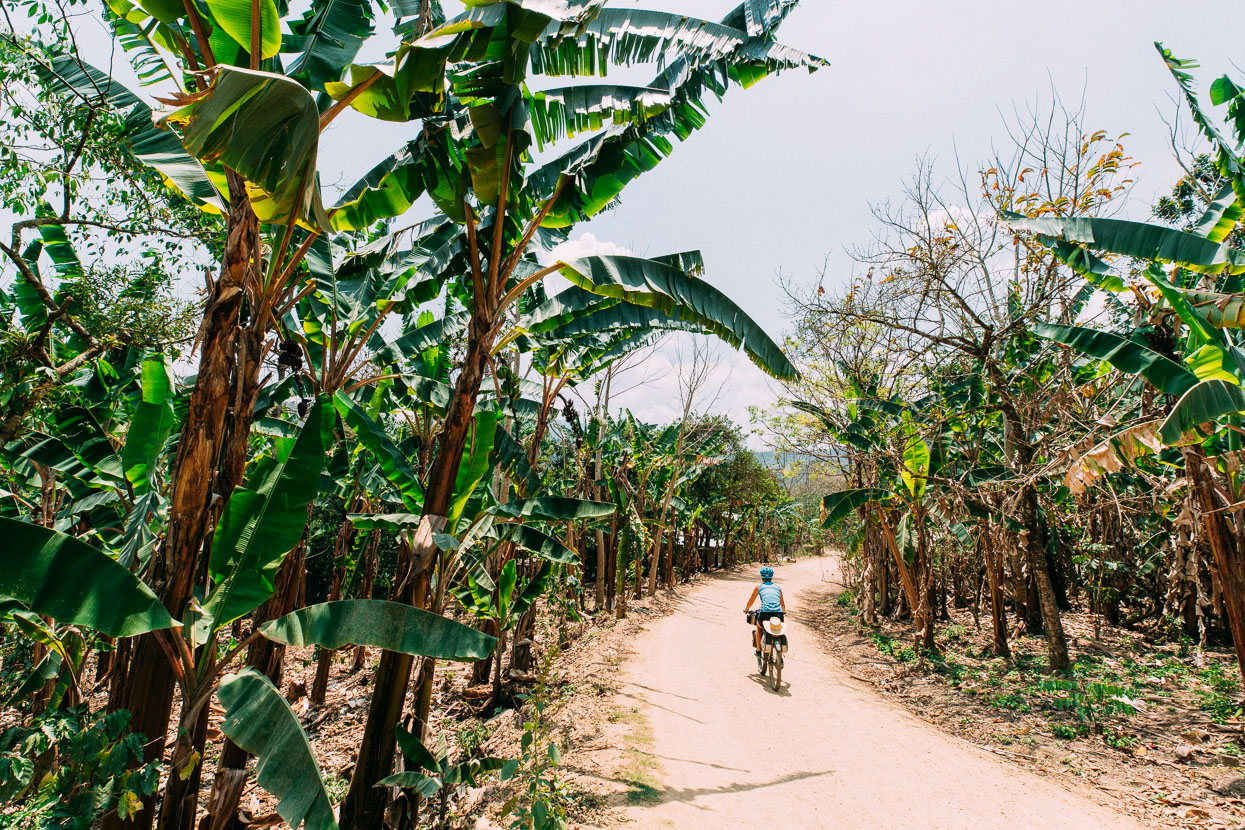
x=364, y=805
x=925, y=570
x=1229, y=561
x=266, y=657
x=198, y=495
x=1033, y=541
x=365, y=592
x=602, y=566
x=181, y=794
x=998, y=612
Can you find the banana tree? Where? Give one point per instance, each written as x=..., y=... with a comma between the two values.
x=248, y=124
x=1197, y=300
x=432, y=774
x=504, y=603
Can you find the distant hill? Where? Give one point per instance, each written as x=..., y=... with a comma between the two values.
x=787, y=461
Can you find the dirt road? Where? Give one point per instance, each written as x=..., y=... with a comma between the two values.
x=719, y=750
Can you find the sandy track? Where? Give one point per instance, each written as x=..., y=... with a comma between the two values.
x=823, y=752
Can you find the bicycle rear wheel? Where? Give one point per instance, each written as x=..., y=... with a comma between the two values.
x=775, y=680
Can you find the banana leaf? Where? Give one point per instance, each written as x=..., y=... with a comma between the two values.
x=389, y=625
x=1129, y=356
x=75, y=584
x=234, y=18
x=1206, y=403
x=327, y=39
x=258, y=719
x=1221, y=216
x=267, y=128
x=150, y=426
x=1112, y=455
x=536, y=542
x=657, y=285
x=838, y=506
x=393, y=464
x=554, y=509
x=475, y=464
x=1137, y=239
x=916, y=459
x=264, y=520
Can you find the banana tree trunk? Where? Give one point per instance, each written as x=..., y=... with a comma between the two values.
x=1033, y=540
x=341, y=548
x=197, y=497
x=365, y=592
x=905, y=575
x=1229, y=558
x=925, y=571
x=266, y=657
x=994, y=574
x=364, y=805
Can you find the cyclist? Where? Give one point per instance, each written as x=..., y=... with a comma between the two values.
x=772, y=605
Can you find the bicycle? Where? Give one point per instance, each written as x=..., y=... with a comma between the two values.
x=773, y=647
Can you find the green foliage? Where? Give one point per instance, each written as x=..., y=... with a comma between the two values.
x=74, y=583
x=471, y=738
x=431, y=773
x=67, y=768
x=543, y=800
x=1089, y=701
x=1222, y=700
x=390, y=625
x=258, y=719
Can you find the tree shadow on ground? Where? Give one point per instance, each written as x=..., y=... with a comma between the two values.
x=644, y=795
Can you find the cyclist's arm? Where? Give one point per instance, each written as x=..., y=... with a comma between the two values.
x=755, y=593
x=782, y=600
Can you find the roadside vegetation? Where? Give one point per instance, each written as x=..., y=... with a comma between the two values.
x=1035, y=406
x=303, y=487
x=253, y=426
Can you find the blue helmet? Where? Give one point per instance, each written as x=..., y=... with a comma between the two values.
x=767, y=572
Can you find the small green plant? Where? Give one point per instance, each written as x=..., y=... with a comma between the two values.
x=1091, y=702
x=543, y=802
x=1011, y=701
x=1117, y=740
x=953, y=632
x=1222, y=701
x=434, y=776
x=471, y=738
x=890, y=647
x=336, y=787
x=1064, y=732
x=67, y=768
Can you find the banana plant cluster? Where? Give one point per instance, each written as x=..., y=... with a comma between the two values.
x=1182, y=341
x=347, y=347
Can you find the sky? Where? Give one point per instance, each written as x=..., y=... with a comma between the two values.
x=783, y=175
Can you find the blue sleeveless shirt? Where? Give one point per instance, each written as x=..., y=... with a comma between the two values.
x=771, y=597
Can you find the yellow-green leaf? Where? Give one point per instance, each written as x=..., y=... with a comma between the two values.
x=234, y=16
x=1211, y=363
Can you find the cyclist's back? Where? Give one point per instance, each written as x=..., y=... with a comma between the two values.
x=770, y=596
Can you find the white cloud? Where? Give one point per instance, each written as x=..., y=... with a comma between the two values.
x=741, y=383
x=586, y=244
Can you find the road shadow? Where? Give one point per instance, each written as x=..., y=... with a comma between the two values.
x=642, y=795
x=761, y=680
x=647, y=702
